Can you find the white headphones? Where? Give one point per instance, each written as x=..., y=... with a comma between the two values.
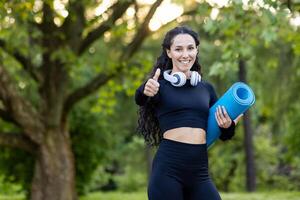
x=178, y=79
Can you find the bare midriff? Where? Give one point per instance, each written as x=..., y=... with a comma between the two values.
x=186, y=135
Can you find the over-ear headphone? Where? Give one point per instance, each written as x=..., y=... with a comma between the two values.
x=178, y=79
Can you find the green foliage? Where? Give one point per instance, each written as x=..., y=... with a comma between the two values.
x=88, y=133
x=273, y=169
x=16, y=169
x=134, y=176
x=132, y=180
x=292, y=140
x=101, y=139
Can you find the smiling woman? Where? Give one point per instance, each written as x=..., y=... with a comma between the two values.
x=173, y=114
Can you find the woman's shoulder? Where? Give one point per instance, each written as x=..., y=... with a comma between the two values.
x=207, y=83
x=209, y=86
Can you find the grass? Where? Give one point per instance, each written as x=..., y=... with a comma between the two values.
x=11, y=197
x=225, y=196
x=143, y=196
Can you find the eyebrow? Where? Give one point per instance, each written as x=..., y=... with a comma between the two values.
x=182, y=46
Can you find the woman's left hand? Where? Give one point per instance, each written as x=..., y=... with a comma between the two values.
x=223, y=118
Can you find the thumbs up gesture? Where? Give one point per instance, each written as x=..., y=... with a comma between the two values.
x=152, y=85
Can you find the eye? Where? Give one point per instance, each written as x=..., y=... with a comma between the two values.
x=177, y=49
x=191, y=48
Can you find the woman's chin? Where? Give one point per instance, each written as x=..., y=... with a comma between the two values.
x=185, y=68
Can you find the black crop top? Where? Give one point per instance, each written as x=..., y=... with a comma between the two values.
x=186, y=106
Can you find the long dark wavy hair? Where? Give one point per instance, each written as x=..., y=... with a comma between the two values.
x=147, y=122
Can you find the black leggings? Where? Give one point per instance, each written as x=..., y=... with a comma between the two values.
x=180, y=172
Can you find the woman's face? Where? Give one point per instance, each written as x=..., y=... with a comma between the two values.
x=183, y=52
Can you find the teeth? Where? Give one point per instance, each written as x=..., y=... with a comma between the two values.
x=185, y=62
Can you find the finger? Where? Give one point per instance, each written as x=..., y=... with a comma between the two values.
x=218, y=119
x=221, y=112
x=225, y=119
x=221, y=116
x=156, y=75
x=228, y=119
x=225, y=113
x=153, y=82
x=154, y=91
x=147, y=93
x=150, y=91
x=149, y=86
x=152, y=88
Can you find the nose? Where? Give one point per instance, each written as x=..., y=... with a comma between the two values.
x=185, y=54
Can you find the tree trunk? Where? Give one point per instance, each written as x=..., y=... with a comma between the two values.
x=54, y=175
x=248, y=139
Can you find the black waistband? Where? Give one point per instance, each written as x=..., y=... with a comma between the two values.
x=183, y=154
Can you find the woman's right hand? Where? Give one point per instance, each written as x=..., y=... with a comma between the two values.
x=152, y=85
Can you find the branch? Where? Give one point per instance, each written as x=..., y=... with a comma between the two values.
x=101, y=79
x=142, y=33
x=118, y=9
x=47, y=26
x=20, y=109
x=84, y=91
x=7, y=117
x=25, y=62
x=73, y=25
x=289, y=5
x=17, y=140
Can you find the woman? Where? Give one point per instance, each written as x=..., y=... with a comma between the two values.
x=174, y=106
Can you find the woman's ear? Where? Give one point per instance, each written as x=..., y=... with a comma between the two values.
x=168, y=53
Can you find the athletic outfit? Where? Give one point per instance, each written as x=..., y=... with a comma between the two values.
x=180, y=170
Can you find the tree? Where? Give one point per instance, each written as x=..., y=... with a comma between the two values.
x=248, y=139
x=54, y=42
x=246, y=37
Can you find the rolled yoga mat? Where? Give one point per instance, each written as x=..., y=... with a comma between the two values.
x=236, y=100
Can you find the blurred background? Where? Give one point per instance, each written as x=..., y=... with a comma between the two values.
x=69, y=70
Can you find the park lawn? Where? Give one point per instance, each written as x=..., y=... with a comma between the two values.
x=11, y=197
x=142, y=196
x=225, y=196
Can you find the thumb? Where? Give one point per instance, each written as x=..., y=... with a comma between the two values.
x=238, y=118
x=156, y=75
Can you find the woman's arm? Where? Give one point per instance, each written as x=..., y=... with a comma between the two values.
x=148, y=90
x=226, y=133
x=140, y=97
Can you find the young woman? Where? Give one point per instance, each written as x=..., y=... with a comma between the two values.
x=174, y=106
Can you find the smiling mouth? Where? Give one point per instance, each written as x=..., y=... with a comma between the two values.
x=185, y=61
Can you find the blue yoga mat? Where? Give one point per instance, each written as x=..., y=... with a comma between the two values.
x=236, y=100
